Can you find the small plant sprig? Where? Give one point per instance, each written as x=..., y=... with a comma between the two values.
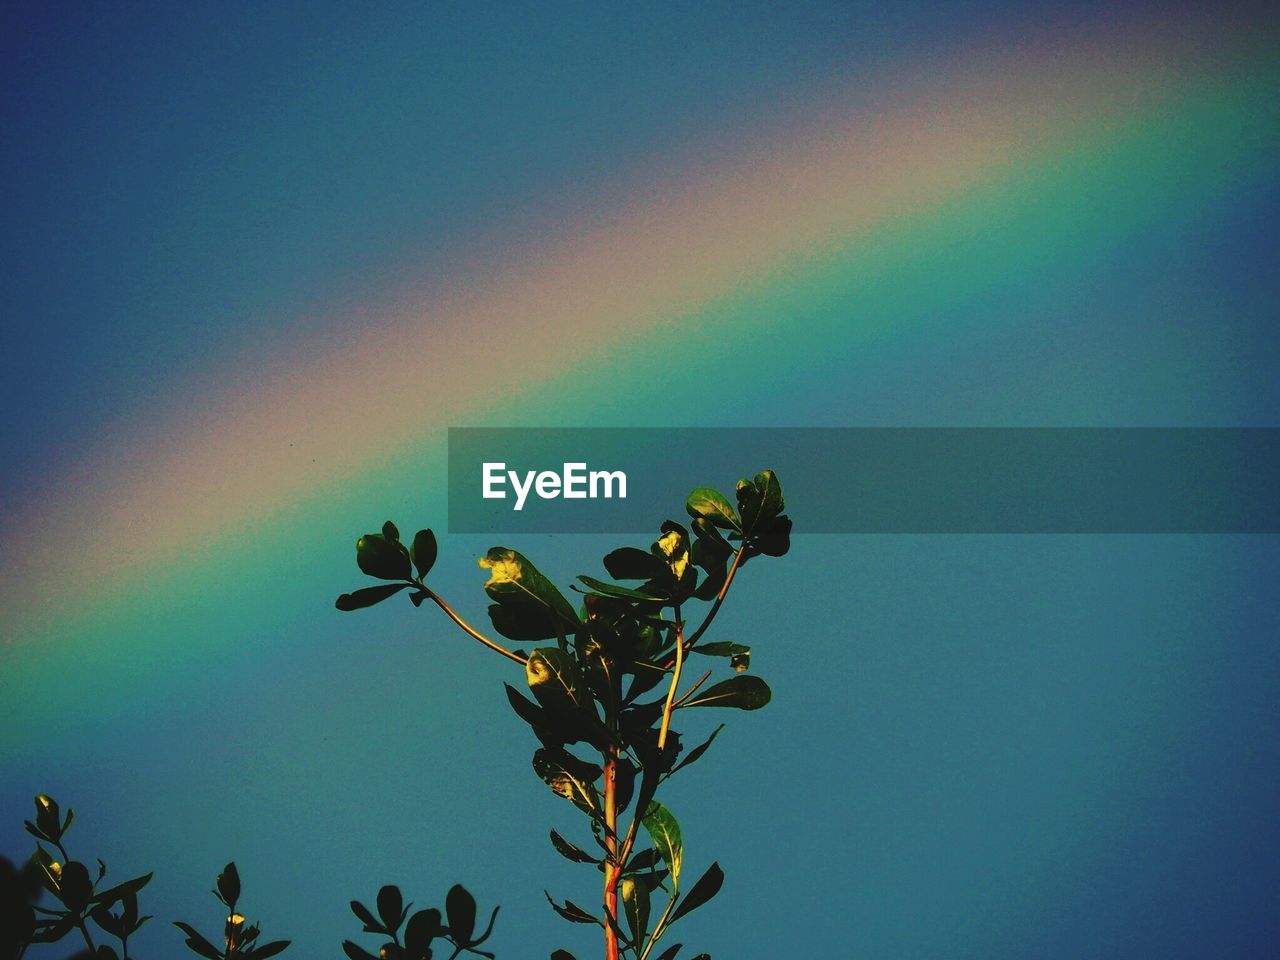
x=589, y=678
x=81, y=896
x=240, y=939
x=422, y=929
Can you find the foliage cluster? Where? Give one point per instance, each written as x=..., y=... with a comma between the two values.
x=603, y=691
x=603, y=684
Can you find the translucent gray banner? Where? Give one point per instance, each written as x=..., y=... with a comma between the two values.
x=873, y=480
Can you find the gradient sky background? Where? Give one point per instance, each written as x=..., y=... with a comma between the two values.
x=257, y=258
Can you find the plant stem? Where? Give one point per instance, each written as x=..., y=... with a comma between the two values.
x=692, y=690
x=87, y=939
x=715, y=608
x=675, y=682
x=660, y=929
x=612, y=869
x=470, y=630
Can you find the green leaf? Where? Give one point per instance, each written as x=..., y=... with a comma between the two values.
x=390, y=532
x=635, y=903
x=555, y=680
x=382, y=558
x=570, y=851
x=664, y=830
x=569, y=777
x=572, y=912
x=513, y=580
x=708, y=886
x=632, y=563
x=714, y=506
x=368, y=596
x=423, y=552
x=460, y=907
x=743, y=693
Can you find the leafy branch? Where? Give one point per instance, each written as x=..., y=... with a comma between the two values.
x=588, y=675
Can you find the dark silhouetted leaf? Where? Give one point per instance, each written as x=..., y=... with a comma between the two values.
x=624, y=778
x=229, y=885
x=75, y=887
x=775, y=539
x=526, y=624
x=708, y=886
x=664, y=830
x=48, y=817
x=354, y=952
x=693, y=755
x=671, y=951
x=743, y=693
x=759, y=501
x=423, y=927
x=562, y=955
x=107, y=921
x=391, y=908
x=199, y=944
x=530, y=713
x=365, y=916
x=270, y=949
x=120, y=891
x=572, y=912
x=644, y=860
x=569, y=777
x=485, y=936
x=570, y=851
x=722, y=649
x=613, y=590
x=632, y=563
x=423, y=552
x=382, y=558
x=713, y=506
x=460, y=908
x=368, y=596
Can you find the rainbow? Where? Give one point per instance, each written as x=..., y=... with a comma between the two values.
x=735, y=244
